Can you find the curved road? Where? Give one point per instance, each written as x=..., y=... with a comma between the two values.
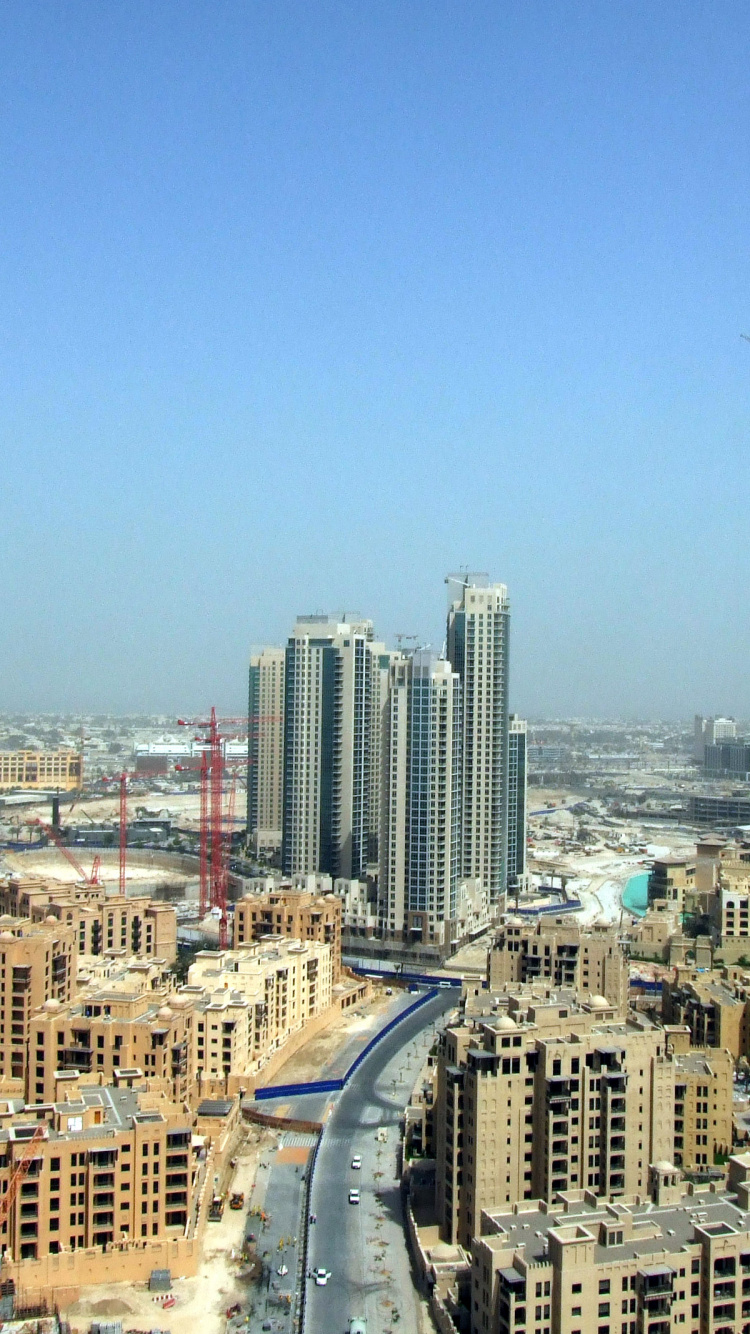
x=364, y=1245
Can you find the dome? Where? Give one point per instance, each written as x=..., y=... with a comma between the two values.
x=664, y=1166
x=601, y=921
x=6, y=935
x=51, y=919
x=599, y=1003
x=52, y=1004
x=505, y=1024
x=165, y=1013
x=443, y=1251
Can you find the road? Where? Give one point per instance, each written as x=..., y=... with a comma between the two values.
x=364, y=1245
x=278, y=1185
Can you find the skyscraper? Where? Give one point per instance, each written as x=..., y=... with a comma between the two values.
x=420, y=839
x=265, y=771
x=478, y=633
x=516, y=801
x=331, y=742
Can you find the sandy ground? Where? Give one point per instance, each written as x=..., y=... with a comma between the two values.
x=201, y=1301
x=53, y=866
x=307, y=1063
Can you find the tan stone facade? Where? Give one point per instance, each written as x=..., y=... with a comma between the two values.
x=293, y=913
x=57, y=769
x=143, y=927
x=37, y=964
x=553, y=1097
x=557, y=952
x=258, y=996
x=714, y=1005
x=676, y=1261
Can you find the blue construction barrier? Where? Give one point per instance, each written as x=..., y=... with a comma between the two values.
x=335, y=1085
x=292, y=1090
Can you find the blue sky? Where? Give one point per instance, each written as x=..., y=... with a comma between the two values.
x=303, y=305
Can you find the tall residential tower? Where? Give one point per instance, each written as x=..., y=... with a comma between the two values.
x=420, y=840
x=331, y=747
x=265, y=758
x=478, y=633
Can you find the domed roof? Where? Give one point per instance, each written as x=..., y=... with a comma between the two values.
x=6, y=935
x=165, y=1013
x=51, y=919
x=599, y=1003
x=664, y=1166
x=442, y=1250
x=52, y=1004
x=506, y=1023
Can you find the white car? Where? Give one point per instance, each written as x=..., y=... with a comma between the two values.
x=354, y=1197
x=282, y=1271
x=321, y=1276
x=357, y=1162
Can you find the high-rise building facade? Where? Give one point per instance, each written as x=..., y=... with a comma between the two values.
x=265, y=772
x=420, y=839
x=331, y=743
x=517, y=783
x=478, y=634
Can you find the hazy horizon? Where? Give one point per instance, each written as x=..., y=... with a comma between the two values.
x=305, y=306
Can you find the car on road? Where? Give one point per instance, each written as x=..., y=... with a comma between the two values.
x=237, y=1201
x=321, y=1276
x=354, y=1197
x=357, y=1162
x=216, y=1209
x=282, y=1271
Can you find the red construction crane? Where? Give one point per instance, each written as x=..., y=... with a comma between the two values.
x=20, y=1169
x=215, y=831
x=95, y=878
x=122, y=783
x=213, y=890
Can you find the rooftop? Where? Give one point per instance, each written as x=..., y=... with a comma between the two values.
x=670, y=1228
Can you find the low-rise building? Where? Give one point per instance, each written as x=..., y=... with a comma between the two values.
x=556, y=951
x=272, y=988
x=293, y=913
x=670, y=1259
x=141, y=926
x=59, y=770
x=713, y=1005
x=119, y=1032
x=672, y=880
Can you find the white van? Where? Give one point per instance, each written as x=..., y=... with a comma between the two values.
x=357, y=1325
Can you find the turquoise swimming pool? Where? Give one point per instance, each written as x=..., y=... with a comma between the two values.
x=635, y=894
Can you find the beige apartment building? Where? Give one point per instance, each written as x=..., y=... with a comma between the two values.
x=61, y=770
x=259, y=996
x=557, y=952
x=714, y=1005
x=143, y=927
x=106, y=1168
x=118, y=1033
x=672, y=1260
x=555, y=1095
x=672, y=881
x=37, y=964
x=293, y=913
